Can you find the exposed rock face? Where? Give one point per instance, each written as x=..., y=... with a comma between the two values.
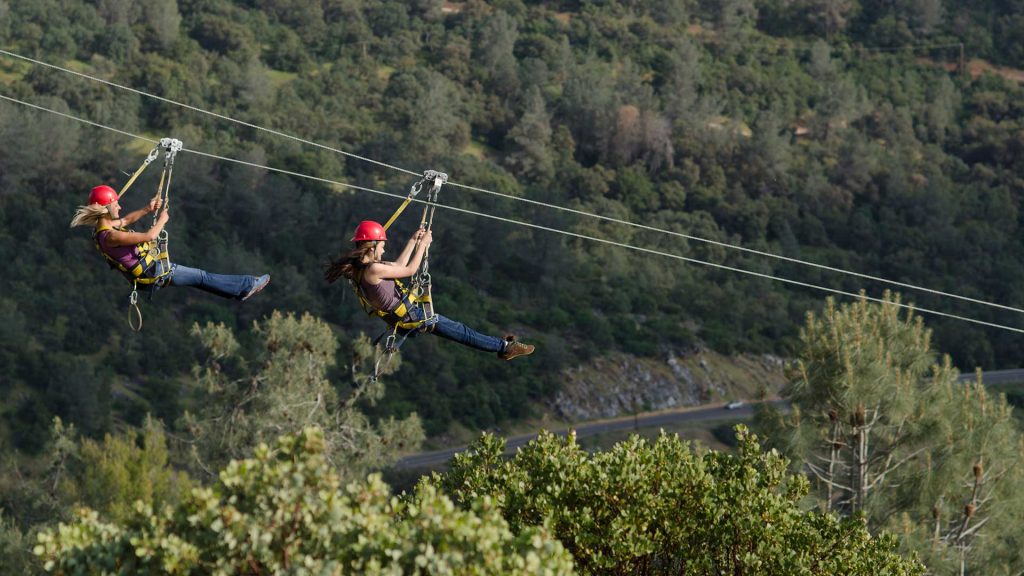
x=620, y=384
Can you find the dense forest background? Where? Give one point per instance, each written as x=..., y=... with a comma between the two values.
x=833, y=131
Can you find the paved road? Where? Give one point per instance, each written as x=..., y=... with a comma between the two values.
x=650, y=420
x=997, y=377
x=658, y=419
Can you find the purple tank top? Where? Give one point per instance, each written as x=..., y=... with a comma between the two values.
x=383, y=296
x=124, y=255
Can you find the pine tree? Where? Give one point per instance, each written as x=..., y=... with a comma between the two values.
x=886, y=430
x=530, y=154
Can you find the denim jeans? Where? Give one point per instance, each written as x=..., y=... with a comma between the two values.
x=458, y=332
x=225, y=285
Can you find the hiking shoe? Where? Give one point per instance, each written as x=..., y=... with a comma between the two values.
x=515, y=348
x=260, y=284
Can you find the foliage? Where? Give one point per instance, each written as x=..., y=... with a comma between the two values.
x=789, y=127
x=661, y=508
x=801, y=140
x=887, y=433
x=287, y=511
x=282, y=387
x=110, y=477
x=16, y=549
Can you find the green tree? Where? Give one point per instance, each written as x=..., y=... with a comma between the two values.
x=118, y=11
x=888, y=433
x=735, y=22
x=662, y=508
x=493, y=51
x=286, y=510
x=426, y=110
x=112, y=476
x=162, y=21
x=16, y=550
x=589, y=102
x=530, y=153
x=972, y=483
x=5, y=10
x=286, y=391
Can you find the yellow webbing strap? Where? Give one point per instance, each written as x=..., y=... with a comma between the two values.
x=393, y=317
x=152, y=156
x=413, y=191
x=397, y=213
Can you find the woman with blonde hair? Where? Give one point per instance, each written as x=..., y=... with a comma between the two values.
x=376, y=283
x=134, y=254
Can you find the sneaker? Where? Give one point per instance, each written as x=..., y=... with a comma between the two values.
x=260, y=284
x=515, y=348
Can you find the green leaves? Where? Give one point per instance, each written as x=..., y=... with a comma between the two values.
x=662, y=508
x=251, y=396
x=286, y=510
x=889, y=434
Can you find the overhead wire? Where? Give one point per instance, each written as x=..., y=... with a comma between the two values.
x=202, y=111
x=575, y=211
x=531, y=224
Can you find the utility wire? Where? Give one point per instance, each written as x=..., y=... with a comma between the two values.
x=620, y=221
x=530, y=224
x=537, y=202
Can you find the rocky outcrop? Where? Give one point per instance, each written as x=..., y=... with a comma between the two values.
x=620, y=384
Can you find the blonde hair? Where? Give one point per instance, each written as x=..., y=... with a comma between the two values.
x=90, y=215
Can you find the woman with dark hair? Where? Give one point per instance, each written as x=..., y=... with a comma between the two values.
x=377, y=284
x=134, y=254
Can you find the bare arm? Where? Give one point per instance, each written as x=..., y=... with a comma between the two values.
x=122, y=238
x=132, y=217
x=403, y=258
x=387, y=270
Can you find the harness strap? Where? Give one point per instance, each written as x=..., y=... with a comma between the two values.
x=148, y=255
x=419, y=294
x=396, y=317
x=152, y=156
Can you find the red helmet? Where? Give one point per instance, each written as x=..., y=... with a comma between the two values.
x=102, y=195
x=369, y=230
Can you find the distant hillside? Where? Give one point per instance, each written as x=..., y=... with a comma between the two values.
x=780, y=127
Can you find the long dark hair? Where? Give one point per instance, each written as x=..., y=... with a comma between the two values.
x=349, y=264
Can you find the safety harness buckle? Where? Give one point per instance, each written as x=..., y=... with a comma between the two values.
x=389, y=344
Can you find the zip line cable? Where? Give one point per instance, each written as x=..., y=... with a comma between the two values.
x=751, y=250
x=530, y=224
x=207, y=112
x=536, y=202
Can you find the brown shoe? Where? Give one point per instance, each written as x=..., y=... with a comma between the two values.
x=514, y=348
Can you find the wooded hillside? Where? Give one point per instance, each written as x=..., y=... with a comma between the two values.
x=826, y=131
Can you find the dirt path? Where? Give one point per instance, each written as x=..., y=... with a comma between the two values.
x=976, y=67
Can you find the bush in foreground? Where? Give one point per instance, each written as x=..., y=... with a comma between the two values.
x=661, y=508
x=285, y=511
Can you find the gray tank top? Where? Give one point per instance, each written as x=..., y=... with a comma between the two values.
x=383, y=296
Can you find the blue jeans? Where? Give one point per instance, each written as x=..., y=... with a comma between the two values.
x=458, y=332
x=225, y=285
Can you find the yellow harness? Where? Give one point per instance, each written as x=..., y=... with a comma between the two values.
x=420, y=293
x=154, y=264
x=396, y=318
